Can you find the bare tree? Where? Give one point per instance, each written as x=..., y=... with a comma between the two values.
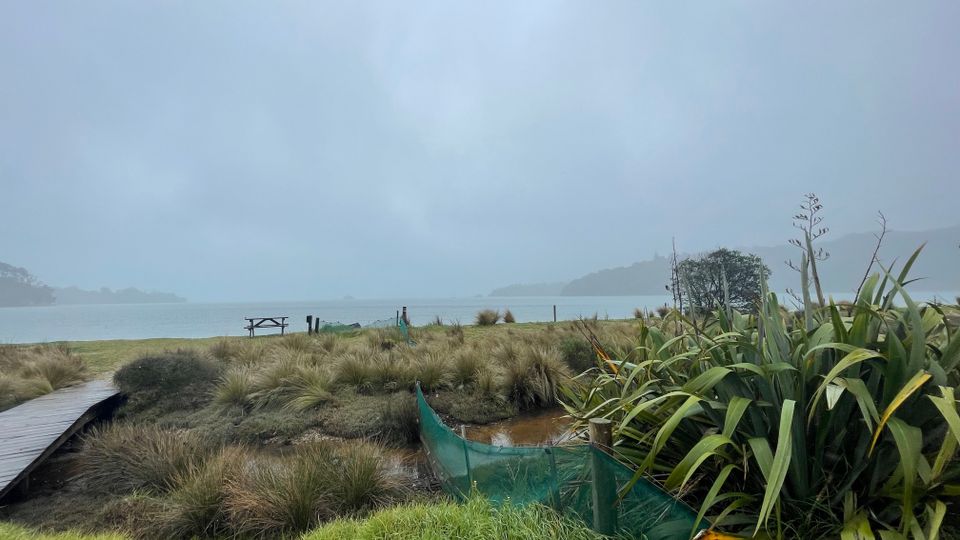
x=808, y=220
x=882, y=220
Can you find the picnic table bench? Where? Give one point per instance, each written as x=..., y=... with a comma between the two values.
x=254, y=323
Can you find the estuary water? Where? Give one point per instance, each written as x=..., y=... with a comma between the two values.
x=191, y=320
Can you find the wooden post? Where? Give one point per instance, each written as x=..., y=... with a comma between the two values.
x=404, y=317
x=398, y=317
x=604, y=485
x=316, y=325
x=466, y=459
x=554, y=313
x=309, y=324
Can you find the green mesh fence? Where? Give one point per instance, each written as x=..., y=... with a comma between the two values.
x=563, y=477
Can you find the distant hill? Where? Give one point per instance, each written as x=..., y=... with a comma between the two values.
x=130, y=295
x=533, y=289
x=18, y=288
x=938, y=267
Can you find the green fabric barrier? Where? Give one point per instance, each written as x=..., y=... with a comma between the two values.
x=562, y=477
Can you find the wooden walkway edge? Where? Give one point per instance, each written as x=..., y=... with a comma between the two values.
x=32, y=431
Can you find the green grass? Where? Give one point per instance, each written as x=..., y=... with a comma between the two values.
x=475, y=520
x=9, y=531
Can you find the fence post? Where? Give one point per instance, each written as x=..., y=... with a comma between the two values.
x=466, y=460
x=554, y=313
x=604, y=484
x=316, y=325
x=309, y=324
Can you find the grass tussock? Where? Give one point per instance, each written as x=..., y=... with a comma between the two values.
x=27, y=372
x=185, y=487
x=171, y=381
x=123, y=458
x=477, y=519
x=508, y=317
x=487, y=317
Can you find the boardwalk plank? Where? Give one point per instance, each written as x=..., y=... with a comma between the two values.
x=31, y=432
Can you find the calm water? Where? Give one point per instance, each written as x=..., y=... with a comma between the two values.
x=135, y=321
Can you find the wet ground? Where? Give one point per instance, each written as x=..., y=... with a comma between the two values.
x=536, y=428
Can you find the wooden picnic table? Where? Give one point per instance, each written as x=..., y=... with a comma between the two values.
x=255, y=323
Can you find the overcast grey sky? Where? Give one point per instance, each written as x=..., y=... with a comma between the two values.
x=303, y=150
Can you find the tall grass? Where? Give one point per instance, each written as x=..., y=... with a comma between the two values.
x=122, y=458
x=27, y=372
x=478, y=519
x=487, y=317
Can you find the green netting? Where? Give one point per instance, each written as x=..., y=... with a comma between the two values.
x=404, y=331
x=562, y=477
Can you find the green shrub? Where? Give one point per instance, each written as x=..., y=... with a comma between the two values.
x=487, y=317
x=478, y=519
x=508, y=317
x=578, y=354
x=171, y=381
x=122, y=458
x=823, y=426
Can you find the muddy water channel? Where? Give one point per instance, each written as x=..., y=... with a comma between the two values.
x=541, y=427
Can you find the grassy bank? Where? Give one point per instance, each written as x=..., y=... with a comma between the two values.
x=254, y=437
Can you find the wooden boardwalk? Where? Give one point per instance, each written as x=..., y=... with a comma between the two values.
x=32, y=431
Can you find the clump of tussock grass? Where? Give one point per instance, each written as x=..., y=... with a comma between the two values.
x=354, y=369
x=197, y=506
x=662, y=311
x=170, y=381
x=251, y=353
x=383, y=339
x=487, y=317
x=311, y=388
x=399, y=418
x=27, y=372
x=122, y=458
x=225, y=349
x=638, y=313
x=320, y=481
x=487, y=381
x=532, y=381
x=508, y=317
x=390, y=372
x=455, y=333
x=235, y=388
x=432, y=371
x=577, y=353
x=299, y=342
x=328, y=343
x=273, y=383
x=466, y=364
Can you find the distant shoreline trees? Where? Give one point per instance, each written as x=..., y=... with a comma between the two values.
x=18, y=287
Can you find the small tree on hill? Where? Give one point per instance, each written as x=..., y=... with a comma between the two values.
x=723, y=274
